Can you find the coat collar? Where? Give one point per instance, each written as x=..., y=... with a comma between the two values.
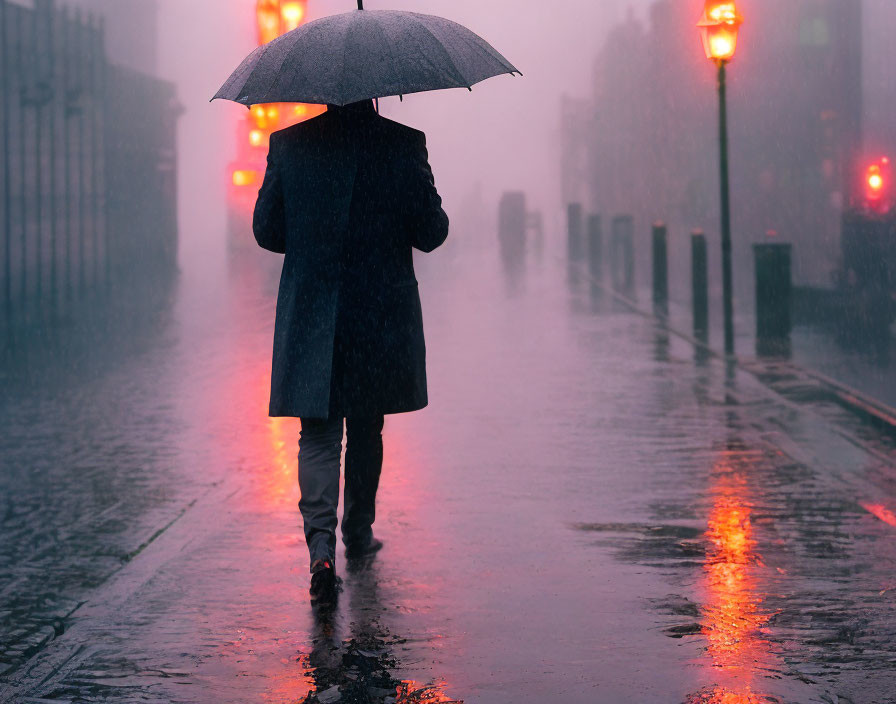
x=363, y=107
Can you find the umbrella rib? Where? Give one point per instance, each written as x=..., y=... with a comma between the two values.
x=344, y=52
x=462, y=79
x=485, y=49
x=391, y=51
x=239, y=77
x=272, y=79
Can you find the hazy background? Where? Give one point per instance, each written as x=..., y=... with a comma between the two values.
x=503, y=135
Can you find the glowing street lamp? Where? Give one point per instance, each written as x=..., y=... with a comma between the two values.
x=718, y=28
x=257, y=138
x=293, y=14
x=269, y=20
x=245, y=177
x=273, y=19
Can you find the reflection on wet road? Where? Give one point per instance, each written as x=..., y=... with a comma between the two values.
x=586, y=513
x=733, y=612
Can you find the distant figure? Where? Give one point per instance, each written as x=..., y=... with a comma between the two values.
x=346, y=197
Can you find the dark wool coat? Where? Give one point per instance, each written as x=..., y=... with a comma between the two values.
x=346, y=197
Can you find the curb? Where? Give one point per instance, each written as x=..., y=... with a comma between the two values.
x=879, y=414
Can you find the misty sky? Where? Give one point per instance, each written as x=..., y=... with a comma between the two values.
x=502, y=135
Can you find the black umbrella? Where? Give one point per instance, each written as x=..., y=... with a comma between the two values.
x=364, y=54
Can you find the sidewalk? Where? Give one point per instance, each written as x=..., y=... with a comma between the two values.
x=585, y=514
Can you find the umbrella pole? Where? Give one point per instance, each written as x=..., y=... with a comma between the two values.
x=360, y=4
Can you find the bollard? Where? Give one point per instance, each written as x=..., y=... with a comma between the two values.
x=622, y=254
x=574, y=244
x=512, y=221
x=660, y=269
x=773, y=296
x=595, y=249
x=700, y=285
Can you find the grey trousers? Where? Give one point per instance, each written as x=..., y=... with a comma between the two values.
x=320, y=445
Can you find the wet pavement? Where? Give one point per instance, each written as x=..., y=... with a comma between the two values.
x=587, y=512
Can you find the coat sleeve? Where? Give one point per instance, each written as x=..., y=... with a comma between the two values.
x=428, y=223
x=269, y=222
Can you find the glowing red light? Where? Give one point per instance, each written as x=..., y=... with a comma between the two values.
x=875, y=180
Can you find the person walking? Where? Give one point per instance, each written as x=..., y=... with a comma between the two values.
x=346, y=197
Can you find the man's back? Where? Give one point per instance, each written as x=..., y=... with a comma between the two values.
x=346, y=197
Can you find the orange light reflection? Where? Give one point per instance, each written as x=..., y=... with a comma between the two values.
x=720, y=695
x=273, y=447
x=282, y=481
x=411, y=692
x=292, y=684
x=880, y=511
x=733, y=614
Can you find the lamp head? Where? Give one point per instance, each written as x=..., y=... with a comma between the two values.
x=719, y=26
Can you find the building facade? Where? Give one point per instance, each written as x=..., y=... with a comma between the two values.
x=87, y=161
x=132, y=29
x=795, y=119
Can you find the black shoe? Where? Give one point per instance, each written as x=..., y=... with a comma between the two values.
x=324, y=583
x=359, y=552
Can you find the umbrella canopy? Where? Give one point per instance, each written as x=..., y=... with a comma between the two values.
x=364, y=54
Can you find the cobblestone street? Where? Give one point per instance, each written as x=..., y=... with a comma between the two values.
x=588, y=512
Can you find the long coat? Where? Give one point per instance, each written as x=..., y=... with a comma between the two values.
x=346, y=197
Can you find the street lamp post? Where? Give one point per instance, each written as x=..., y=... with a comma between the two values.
x=719, y=27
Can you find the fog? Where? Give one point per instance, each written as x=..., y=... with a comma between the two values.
x=627, y=480
x=506, y=133
x=502, y=135
x=616, y=110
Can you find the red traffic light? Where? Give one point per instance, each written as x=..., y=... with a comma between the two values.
x=875, y=181
x=877, y=188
